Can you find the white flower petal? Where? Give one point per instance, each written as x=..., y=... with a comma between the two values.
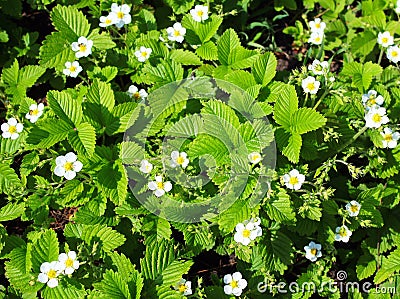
x=59, y=171
x=70, y=157
x=69, y=175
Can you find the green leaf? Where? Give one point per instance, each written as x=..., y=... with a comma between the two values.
x=237, y=212
x=83, y=139
x=264, y=68
x=101, y=41
x=241, y=58
x=71, y=22
x=366, y=266
x=8, y=179
x=241, y=78
x=280, y=209
x=11, y=211
x=131, y=153
x=292, y=149
x=208, y=51
x=203, y=30
x=185, y=57
x=228, y=41
x=67, y=288
x=65, y=107
x=165, y=72
x=29, y=163
x=48, y=133
x=29, y=74
x=10, y=75
x=55, y=51
x=114, y=286
x=124, y=116
x=286, y=104
x=107, y=238
x=158, y=226
x=45, y=249
x=113, y=182
x=305, y=120
x=389, y=266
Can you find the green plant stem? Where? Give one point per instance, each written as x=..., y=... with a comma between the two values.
x=305, y=100
x=321, y=98
x=354, y=138
x=380, y=56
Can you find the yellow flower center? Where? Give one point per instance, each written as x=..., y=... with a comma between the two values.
x=388, y=137
x=12, y=129
x=68, y=166
x=317, y=39
x=82, y=47
x=372, y=101
x=395, y=54
x=182, y=288
x=293, y=180
x=317, y=25
x=234, y=284
x=34, y=112
x=200, y=13
x=385, y=40
x=69, y=263
x=136, y=95
x=177, y=33
x=246, y=233
x=160, y=185
x=120, y=15
x=342, y=232
x=376, y=118
x=313, y=251
x=311, y=86
x=72, y=69
x=52, y=274
x=180, y=160
x=255, y=157
x=108, y=21
x=354, y=208
x=144, y=54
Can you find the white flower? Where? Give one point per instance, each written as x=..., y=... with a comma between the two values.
x=199, y=13
x=293, y=180
x=145, y=166
x=389, y=138
x=310, y=85
x=393, y=54
x=179, y=159
x=184, y=287
x=133, y=91
x=372, y=98
x=83, y=47
x=143, y=54
x=254, y=157
x=11, y=129
x=316, y=37
x=159, y=187
x=72, y=69
x=67, y=166
x=353, y=207
x=176, y=32
x=376, y=117
x=49, y=273
x=108, y=21
x=68, y=262
x=313, y=251
x=397, y=9
x=343, y=234
x=121, y=14
x=247, y=231
x=385, y=39
x=319, y=67
x=317, y=25
x=235, y=284
x=35, y=111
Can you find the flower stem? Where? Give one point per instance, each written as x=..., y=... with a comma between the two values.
x=354, y=138
x=321, y=98
x=305, y=100
x=380, y=56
